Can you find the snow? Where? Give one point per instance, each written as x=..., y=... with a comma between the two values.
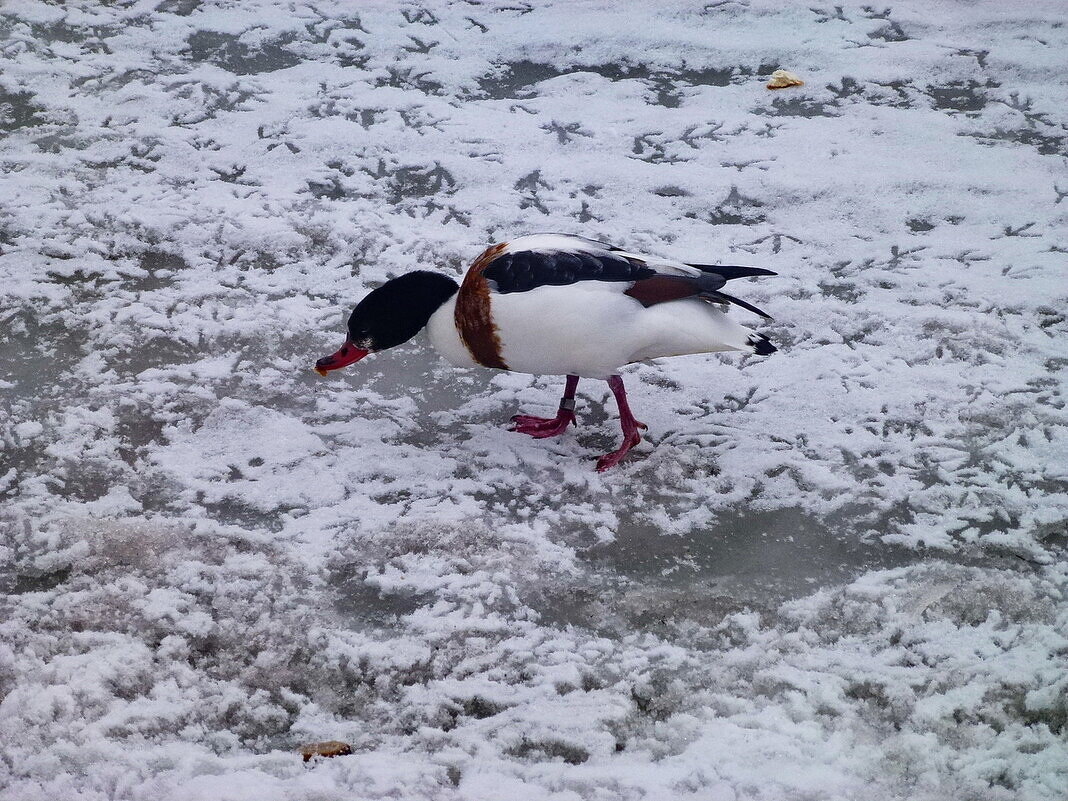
x=832, y=573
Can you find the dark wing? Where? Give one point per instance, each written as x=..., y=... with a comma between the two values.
x=528, y=269
x=661, y=288
x=730, y=272
x=524, y=270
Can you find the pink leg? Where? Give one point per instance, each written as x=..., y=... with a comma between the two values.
x=541, y=427
x=631, y=437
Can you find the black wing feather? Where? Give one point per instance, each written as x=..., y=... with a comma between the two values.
x=730, y=271
x=723, y=297
x=529, y=269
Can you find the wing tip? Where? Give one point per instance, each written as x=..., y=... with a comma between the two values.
x=739, y=302
x=732, y=271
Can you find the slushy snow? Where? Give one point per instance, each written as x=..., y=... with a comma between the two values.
x=837, y=572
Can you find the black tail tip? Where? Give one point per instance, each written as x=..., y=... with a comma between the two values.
x=760, y=344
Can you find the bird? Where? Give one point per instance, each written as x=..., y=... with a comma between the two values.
x=559, y=304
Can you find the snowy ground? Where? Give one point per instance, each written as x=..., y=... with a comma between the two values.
x=834, y=573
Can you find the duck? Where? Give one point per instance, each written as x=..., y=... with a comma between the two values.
x=559, y=304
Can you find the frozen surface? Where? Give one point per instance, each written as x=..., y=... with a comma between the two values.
x=837, y=572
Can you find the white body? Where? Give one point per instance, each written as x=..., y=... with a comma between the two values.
x=590, y=328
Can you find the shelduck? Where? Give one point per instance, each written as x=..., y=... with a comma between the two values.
x=557, y=304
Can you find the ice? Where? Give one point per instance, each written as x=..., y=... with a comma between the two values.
x=837, y=572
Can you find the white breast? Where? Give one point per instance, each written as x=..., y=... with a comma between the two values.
x=441, y=330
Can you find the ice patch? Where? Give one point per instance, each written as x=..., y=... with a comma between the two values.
x=829, y=573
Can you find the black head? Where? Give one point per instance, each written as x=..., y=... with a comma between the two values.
x=390, y=316
x=398, y=310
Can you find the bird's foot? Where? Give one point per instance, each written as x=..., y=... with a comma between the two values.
x=630, y=439
x=542, y=427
